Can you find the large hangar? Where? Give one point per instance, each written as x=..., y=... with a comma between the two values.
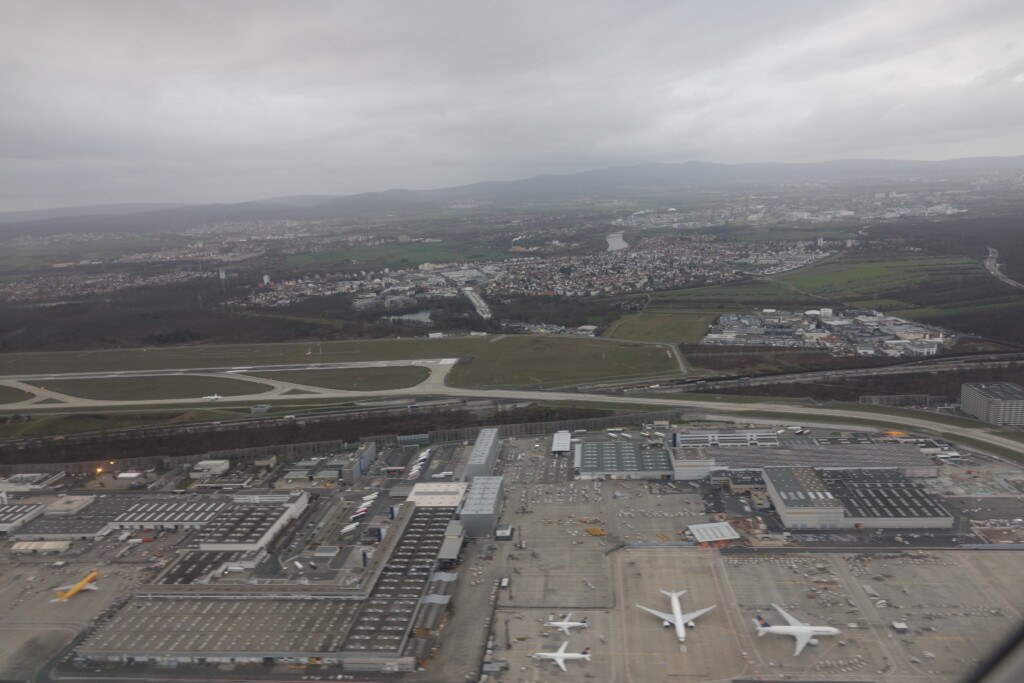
x=811, y=498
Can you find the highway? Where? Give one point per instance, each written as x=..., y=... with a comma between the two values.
x=435, y=386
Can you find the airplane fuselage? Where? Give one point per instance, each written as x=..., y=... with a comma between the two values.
x=677, y=612
x=802, y=630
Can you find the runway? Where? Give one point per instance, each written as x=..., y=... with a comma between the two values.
x=434, y=385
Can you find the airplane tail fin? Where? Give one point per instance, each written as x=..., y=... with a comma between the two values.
x=761, y=624
x=586, y=653
x=584, y=620
x=676, y=594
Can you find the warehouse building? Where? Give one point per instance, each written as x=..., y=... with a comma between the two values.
x=561, y=443
x=171, y=515
x=802, y=500
x=811, y=498
x=383, y=626
x=14, y=515
x=210, y=468
x=1000, y=403
x=485, y=451
x=724, y=438
x=697, y=463
x=244, y=527
x=622, y=460
x=483, y=506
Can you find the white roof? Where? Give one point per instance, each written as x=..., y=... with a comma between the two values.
x=716, y=531
x=439, y=494
x=562, y=441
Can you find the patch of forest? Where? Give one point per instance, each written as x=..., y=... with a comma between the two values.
x=927, y=383
x=250, y=436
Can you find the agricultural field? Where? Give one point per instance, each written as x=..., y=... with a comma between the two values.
x=683, y=327
x=235, y=355
x=862, y=278
x=151, y=388
x=355, y=379
x=559, y=361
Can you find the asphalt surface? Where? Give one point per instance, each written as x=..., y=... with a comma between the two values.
x=435, y=385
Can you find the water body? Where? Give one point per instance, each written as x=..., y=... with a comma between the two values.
x=417, y=316
x=615, y=241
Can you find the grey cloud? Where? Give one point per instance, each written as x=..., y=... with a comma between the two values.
x=112, y=101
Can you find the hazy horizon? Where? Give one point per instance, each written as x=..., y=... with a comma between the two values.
x=112, y=102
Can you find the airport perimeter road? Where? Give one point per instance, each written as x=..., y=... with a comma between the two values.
x=434, y=386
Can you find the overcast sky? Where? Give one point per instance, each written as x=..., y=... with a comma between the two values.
x=123, y=101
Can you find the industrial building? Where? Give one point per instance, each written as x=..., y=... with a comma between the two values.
x=209, y=468
x=622, y=460
x=383, y=623
x=561, y=443
x=485, y=451
x=483, y=506
x=812, y=498
x=699, y=463
x=713, y=534
x=1000, y=403
x=14, y=515
x=724, y=438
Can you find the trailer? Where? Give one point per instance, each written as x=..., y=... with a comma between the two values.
x=298, y=565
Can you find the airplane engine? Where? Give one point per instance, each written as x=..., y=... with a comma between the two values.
x=666, y=624
x=691, y=624
x=813, y=641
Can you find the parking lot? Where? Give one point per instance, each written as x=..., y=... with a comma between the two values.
x=958, y=605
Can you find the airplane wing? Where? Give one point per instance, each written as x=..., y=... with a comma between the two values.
x=801, y=642
x=561, y=650
x=560, y=662
x=793, y=621
x=86, y=587
x=693, y=615
x=661, y=615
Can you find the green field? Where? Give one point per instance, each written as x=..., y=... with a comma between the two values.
x=560, y=361
x=151, y=388
x=401, y=255
x=892, y=282
x=9, y=395
x=356, y=379
x=236, y=355
x=683, y=327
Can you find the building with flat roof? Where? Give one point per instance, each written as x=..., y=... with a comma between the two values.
x=814, y=498
x=622, y=460
x=713, y=534
x=1000, y=403
x=698, y=463
x=885, y=499
x=485, y=451
x=40, y=547
x=438, y=494
x=561, y=443
x=483, y=506
x=243, y=527
x=14, y=515
x=802, y=500
x=724, y=438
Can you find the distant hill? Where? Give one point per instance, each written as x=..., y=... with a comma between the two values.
x=549, y=188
